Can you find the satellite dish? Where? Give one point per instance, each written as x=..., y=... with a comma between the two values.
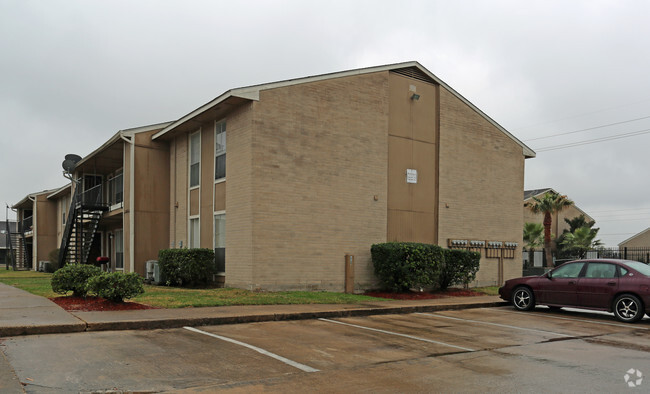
x=70, y=162
x=73, y=157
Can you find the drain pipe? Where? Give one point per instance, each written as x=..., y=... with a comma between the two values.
x=131, y=140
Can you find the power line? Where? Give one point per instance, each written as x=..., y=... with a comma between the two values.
x=592, y=141
x=587, y=129
x=585, y=114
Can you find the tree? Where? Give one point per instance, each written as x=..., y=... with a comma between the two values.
x=533, y=235
x=549, y=204
x=581, y=240
x=563, y=250
x=533, y=238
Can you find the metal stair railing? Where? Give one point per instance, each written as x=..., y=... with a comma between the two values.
x=67, y=233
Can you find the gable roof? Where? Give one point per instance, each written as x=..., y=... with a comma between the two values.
x=536, y=192
x=237, y=96
x=634, y=236
x=528, y=194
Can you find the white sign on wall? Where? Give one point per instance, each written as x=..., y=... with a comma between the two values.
x=411, y=176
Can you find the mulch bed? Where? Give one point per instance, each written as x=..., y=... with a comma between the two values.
x=424, y=295
x=92, y=304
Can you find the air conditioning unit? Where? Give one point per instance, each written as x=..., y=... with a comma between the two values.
x=153, y=274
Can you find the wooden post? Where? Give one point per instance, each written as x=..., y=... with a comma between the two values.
x=349, y=273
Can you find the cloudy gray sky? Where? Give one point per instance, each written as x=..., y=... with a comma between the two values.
x=75, y=72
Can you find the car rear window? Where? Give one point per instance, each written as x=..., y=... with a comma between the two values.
x=642, y=268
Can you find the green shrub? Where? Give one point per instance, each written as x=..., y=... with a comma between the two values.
x=187, y=267
x=460, y=267
x=53, y=257
x=73, y=277
x=401, y=266
x=116, y=286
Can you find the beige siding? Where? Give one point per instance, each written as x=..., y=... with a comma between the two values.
x=151, y=210
x=481, y=185
x=45, y=229
x=412, y=207
x=179, y=190
x=641, y=240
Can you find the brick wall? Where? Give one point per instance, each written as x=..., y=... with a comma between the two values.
x=319, y=158
x=481, y=184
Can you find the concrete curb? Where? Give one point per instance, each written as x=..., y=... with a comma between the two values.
x=14, y=331
x=256, y=318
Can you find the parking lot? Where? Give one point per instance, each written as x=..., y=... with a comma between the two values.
x=472, y=350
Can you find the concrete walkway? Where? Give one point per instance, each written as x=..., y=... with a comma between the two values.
x=22, y=313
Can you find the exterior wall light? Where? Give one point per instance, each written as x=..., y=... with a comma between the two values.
x=415, y=97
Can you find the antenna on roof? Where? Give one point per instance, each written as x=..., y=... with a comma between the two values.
x=69, y=164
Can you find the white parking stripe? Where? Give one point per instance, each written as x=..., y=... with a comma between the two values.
x=495, y=324
x=398, y=334
x=628, y=325
x=259, y=350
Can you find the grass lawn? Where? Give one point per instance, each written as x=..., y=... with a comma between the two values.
x=173, y=297
x=34, y=282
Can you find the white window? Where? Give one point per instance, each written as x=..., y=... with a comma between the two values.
x=220, y=241
x=195, y=159
x=119, y=249
x=220, y=150
x=194, y=241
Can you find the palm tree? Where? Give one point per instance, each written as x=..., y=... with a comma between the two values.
x=563, y=250
x=533, y=238
x=549, y=204
x=582, y=240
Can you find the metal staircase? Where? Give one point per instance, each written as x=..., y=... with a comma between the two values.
x=86, y=210
x=20, y=259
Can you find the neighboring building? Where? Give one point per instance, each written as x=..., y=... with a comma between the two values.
x=559, y=224
x=39, y=230
x=121, y=201
x=324, y=166
x=6, y=228
x=640, y=240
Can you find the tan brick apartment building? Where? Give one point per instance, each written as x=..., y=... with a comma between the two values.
x=284, y=179
x=320, y=167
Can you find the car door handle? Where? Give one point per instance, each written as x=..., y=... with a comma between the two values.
x=611, y=283
x=572, y=282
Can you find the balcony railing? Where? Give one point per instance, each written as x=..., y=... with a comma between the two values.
x=92, y=197
x=28, y=224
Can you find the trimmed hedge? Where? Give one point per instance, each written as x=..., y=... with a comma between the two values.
x=460, y=267
x=116, y=286
x=401, y=266
x=187, y=267
x=73, y=277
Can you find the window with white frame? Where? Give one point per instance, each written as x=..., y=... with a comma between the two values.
x=220, y=150
x=220, y=241
x=195, y=159
x=194, y=239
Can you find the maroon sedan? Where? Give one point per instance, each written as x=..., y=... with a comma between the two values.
x=619, y=286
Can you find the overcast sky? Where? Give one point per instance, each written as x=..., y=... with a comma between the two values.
x=73, y=73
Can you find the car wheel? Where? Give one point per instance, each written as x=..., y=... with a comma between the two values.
x=523, y=299
x=628, y=308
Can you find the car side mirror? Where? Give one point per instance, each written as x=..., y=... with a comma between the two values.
x=549, y=274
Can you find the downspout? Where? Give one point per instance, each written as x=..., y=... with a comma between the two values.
x=131, y=141
x=34, y=233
